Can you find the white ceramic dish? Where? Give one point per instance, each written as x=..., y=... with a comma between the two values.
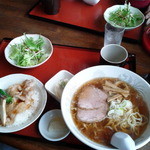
x=47, y=47
x=96, y=72
x=52, y=84
x=44, y=123
x=116, y=7
x=11, y=79
x=91, y=2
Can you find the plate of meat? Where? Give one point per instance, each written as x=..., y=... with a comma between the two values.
x=22, y=100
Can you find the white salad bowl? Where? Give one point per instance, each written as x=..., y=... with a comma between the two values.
x=133, y=11
x=98, y=72
x=47, y=48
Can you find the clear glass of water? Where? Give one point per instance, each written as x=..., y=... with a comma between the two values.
x=113, y=35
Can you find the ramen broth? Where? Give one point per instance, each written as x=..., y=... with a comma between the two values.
x=97, y=131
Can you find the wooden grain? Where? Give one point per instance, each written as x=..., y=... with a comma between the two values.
x=14, y=21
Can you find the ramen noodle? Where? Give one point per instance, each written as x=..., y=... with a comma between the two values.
x=127, y=111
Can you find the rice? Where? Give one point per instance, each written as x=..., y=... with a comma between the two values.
x=26, y=115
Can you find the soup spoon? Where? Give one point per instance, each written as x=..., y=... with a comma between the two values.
x=123, y=141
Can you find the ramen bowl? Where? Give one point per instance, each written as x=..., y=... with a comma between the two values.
x=99, y=72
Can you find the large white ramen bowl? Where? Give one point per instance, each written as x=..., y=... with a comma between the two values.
x=97, y=72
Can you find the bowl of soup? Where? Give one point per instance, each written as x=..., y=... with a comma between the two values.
x=102, y=100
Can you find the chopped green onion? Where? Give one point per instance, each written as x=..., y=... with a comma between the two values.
x=8, y=97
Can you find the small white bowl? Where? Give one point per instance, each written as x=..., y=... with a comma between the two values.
x=116, y=7
x=47, y=47
x=52, y=126
x=91, y=2
x=52, y=84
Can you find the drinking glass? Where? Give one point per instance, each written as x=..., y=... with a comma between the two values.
x=113, y=35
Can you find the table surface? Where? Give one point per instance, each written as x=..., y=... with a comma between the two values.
x=15, y=21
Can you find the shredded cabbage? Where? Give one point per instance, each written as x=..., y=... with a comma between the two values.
x=29, y=52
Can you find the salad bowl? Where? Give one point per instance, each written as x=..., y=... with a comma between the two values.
x=135, y=15
x=28, y=51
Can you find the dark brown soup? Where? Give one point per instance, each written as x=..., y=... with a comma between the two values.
x=97, y=131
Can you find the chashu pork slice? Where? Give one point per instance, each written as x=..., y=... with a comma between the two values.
x=91, y=98
x=92, y=115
